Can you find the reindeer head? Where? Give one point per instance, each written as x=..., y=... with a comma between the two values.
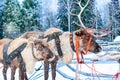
x=42, y=50
x=86, y=41
x=85, y=33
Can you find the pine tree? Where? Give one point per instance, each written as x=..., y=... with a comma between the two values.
x=87, y=15
x=62, y=15
x=10, y=17
x=30, y=16
x=1, y=13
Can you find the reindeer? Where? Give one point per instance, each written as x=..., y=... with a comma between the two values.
x=66, y=40
x=33, y=49
x=95, y=33
x=83, y=35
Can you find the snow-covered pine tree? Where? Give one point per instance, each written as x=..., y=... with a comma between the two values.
x=1, y=12
x=62, y=15
x=10, y=18
x=30, y=16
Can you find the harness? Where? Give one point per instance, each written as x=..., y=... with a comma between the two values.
x=71, y=42
x=8, y=58
x=75, y=48
x=55, y=36
x=5, y=49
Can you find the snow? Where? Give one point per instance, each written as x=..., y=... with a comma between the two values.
x=117, y=39
x=20, y=1
x=65, y=72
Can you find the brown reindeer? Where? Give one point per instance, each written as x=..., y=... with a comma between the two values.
x=33, y=49
x=65, y=45
x=11, y=63
x=63, y=50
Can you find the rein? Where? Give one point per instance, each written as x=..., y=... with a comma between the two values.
x=82, y=52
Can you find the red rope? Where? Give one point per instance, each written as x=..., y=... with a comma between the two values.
x=77, y=51
x=88, y=45
x=95, y=71
x=117, y=75
x=114, y=76
x=98, y=71
x=80, y=60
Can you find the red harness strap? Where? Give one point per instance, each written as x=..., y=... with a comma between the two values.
x=117, y=74
x=81, y=60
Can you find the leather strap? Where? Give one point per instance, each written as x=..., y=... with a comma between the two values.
x=55, y=36
x=5, y=49
x=14, y=54
x=71, y=42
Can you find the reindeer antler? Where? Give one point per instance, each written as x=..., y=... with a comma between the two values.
x=80, y=13
x=100, y=33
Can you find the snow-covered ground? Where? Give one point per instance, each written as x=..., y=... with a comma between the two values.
x=101, y=70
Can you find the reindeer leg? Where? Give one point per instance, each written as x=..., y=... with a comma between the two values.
x=21, y=76
x=53, y=65
x=22, y=71
x=13, y=69
x=25, y=76
x=46, y=69
x=5, y=71
x=22, y=68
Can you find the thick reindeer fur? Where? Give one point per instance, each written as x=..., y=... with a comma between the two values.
x=31, y=35
x=51, y=30
x=13, y=45
x=26, y=53
x=65, y=45
x=14, y=63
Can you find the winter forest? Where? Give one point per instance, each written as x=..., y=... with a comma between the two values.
x=83, y=43
x=19, y=16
